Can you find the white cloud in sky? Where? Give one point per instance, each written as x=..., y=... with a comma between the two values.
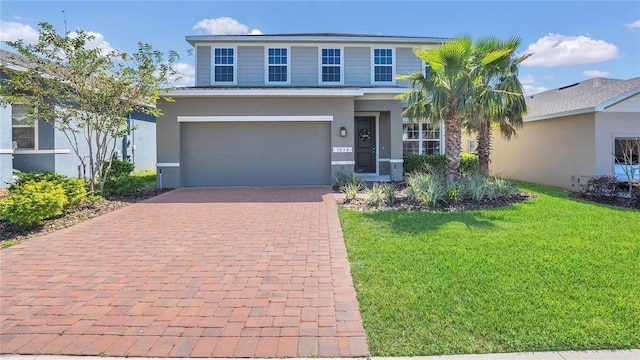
x=98, y=41
x=561, y=50
x=634, y=25
x=529, y=86
x=595, y=73
x=186, y=74
x=12, y=31
x=224, y=26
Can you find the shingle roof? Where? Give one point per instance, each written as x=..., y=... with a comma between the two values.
x=14, y=59
x=581, y=96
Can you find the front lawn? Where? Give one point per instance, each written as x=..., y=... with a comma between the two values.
x=553, y=273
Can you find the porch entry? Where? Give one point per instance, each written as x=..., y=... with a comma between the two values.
x=365, y=141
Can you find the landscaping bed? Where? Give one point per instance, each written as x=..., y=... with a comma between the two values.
x=11, y=234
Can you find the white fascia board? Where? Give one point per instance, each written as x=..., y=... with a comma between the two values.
x=41, y=152
x=384, y=90
x=560, y=114
x=291, y=92
x=418, y=41
x=258, y=118
x=617, y=99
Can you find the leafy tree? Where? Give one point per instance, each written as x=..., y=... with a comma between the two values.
x=86, y=92
x=459, y=87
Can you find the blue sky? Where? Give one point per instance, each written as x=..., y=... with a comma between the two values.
x=571, y=40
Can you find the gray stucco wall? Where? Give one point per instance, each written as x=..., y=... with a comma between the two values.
x=169, y=130
x=139, y=145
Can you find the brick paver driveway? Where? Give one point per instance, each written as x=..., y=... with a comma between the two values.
x=245, y=272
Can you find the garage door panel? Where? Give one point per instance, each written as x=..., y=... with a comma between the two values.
x=240, y=154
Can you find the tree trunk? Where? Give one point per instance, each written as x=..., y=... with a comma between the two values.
x=483, y=149
x=453, y=140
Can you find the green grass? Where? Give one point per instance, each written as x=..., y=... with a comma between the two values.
x=148, y=176
x=553, y=273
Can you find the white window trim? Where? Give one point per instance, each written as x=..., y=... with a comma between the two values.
x=35, y=133
x=393, y=66
x=420, y=139
x=235, y=66
x=266, y=65
x=320, y=65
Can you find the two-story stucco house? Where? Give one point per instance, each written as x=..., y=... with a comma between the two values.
x=292, y=109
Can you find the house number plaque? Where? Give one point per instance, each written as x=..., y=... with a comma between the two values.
x=342, y=149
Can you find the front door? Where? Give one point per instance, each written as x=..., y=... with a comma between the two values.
x=365, y=144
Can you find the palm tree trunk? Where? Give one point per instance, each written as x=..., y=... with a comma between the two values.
x=483, y=148
x=453, y=128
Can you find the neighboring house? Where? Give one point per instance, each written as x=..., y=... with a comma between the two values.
x=292, y=109
x=571, y=134
x=40, y=147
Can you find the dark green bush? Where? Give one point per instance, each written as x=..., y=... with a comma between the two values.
x=119, y=168
x=33, y=202
x=435, y=164
x=124, y=185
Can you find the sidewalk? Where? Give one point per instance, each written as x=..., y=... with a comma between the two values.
x=555, y=355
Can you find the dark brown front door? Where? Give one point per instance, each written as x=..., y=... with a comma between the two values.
x=365, y=144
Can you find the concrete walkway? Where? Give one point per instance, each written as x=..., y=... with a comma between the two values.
x=244, y=272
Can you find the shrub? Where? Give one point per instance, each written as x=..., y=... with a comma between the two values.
x=601, y=187
x=342, y=179
x=390, y=193
x=376, y=195
x=432, y=164
x=124, y=185
x=33, y=202
x=351, y=191
x=426, y=188
x=469, y=164
x=74, y=189
x=473, y=187
x=454, y=193
x=119, y=168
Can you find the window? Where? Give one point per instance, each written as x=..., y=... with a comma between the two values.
x=627, y=158
x=331, y=65
x=420, y=138
x=224, y=65
x=277, y=65
x=383, y=65
x=23, y=135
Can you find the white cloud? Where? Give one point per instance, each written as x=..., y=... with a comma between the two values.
x=224, y=26
x=12, y=31
x=595, y=73
x=561, y=50
x=186, y=74
x=634, y=25
x=98, y=41
x=528, y=85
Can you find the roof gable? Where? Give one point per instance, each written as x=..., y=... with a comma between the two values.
x=587, y=96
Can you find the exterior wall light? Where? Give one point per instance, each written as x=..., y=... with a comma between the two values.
x=343, y=131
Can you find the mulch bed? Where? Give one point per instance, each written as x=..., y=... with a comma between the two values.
x=72, y=216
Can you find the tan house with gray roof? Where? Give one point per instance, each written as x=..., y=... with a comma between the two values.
x=570, y=133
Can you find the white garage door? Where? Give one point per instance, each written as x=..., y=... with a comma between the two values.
x=256, y=153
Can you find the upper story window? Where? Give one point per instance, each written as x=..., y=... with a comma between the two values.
x=331, y=66
x=277, y=65
x=224, y=65
x=383, y=66
x=23, y=135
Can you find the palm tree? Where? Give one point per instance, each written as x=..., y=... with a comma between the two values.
x=438, y=94
x=500, y=102
x=470, y=84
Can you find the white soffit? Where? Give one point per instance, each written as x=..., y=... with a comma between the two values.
x=290, y=92
x=254, y=118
